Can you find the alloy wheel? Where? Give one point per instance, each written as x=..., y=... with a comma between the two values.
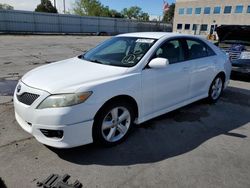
x=116, y=124
x=216, y=88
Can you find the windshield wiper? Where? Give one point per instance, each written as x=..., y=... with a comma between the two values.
x=82, y=55
x=95, y=61
x=92, y=60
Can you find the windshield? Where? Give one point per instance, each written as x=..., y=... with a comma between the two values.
x=120, y=51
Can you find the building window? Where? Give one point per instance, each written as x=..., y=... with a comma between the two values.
x=181, y=11
x=217, y=10
x=207, y=10
x=187, y=26
x=203, y=27
x=179, y=26
x=198, y=10
x=248, y=9
x=227, y=9
x=189, y=10
x=239, y=9
x=195, y=26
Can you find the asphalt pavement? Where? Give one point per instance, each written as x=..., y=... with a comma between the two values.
x=200, y=145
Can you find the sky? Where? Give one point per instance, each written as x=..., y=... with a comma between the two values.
x=153, y=7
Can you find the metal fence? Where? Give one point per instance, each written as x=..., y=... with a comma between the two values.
x=13, y=21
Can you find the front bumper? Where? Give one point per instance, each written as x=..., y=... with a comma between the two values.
x=74, y=122
x=73, y=135
x=241, y=66
x=242, y=70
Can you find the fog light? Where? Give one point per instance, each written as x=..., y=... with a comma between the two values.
x=52, y=133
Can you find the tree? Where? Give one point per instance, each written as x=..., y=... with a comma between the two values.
x=169, y=15
x=144, y=16
x=115, y=14
x=132, y=12
x=6, y=7
x=95, y=8
x=105, y=11
x=46, y=6
x=135, y=12
x=90, y=8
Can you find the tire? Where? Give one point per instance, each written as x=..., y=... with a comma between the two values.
x=108, y=130
x=216, y=89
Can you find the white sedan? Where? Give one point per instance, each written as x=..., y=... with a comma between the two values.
x=127, y=80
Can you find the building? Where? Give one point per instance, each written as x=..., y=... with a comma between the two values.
x=201, y=17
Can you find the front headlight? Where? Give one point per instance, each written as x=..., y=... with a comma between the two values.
x=245, y=55
x=63, y=100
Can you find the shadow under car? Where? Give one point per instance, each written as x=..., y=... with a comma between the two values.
x=171, y=134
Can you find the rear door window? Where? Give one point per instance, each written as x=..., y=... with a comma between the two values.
x=198, y=49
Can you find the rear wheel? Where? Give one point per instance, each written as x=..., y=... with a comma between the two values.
x=113, y=124
x=216, y=89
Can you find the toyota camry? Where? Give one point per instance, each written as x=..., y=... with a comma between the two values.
x=126, y=80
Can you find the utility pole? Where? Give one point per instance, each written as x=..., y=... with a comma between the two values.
x=55, y=3
x=64, y=7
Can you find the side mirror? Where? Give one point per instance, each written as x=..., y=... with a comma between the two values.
x=158, y=63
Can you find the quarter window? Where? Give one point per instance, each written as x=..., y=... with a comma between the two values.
x=198, y=10
x=198, y=49
x=171, y=50
x=239, y=9
x=207, y=10
x=227, y=9
x=217, y=10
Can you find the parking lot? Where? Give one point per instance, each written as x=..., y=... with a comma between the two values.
x=199, y=145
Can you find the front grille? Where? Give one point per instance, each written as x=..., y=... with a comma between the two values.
x=27, y=98
x=233, y=54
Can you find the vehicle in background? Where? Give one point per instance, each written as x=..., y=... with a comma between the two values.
x=102, y=33
x=235, y=40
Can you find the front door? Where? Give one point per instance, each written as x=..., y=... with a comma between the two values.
x=166, y=87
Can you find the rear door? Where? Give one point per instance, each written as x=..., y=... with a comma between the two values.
x=203, y=59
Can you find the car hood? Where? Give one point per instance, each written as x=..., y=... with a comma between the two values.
x=233, y=33
x=68, y=75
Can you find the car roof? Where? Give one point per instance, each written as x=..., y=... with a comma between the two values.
x=152, y=35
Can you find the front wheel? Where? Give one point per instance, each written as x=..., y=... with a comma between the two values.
x=113, y=124
x=216, y=89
